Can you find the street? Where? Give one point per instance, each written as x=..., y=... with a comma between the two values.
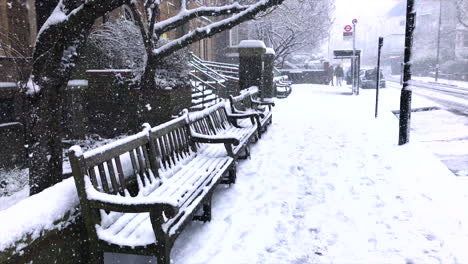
x=452, y=98
x=443, y=131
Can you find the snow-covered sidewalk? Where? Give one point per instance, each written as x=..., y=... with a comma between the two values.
x=328, y=184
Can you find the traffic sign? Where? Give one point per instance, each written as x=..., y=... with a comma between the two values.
x=347, y=35
x=355, y=21
x=348, y=28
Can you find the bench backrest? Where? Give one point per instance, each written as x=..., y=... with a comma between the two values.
x=211, y=120
x=108, y=166
x=170, y=144
x=243, y=101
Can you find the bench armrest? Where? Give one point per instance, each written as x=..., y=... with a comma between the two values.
x=263, y=103
x=202, y=138
x=243, y=115
x=127, y=204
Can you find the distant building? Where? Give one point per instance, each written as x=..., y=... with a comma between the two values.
x=461, y=49
x=454, y=37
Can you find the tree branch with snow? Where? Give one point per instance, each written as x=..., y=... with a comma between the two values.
x=232, y=15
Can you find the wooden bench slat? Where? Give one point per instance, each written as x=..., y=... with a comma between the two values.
x=94, y=180
x=142, y=164
x=115, y=187
x=103, y=176
x=146, y=158
x=133, y=160
x=122, y=183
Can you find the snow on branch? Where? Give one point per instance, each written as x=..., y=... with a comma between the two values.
x=216, y=27
x=186, y=15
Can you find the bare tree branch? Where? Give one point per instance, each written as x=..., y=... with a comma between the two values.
x=187, y=15
x=216, y=27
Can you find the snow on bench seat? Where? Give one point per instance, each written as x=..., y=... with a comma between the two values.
x=188, y=186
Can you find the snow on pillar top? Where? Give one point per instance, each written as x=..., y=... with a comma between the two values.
x=248, y=48
x=252, y=43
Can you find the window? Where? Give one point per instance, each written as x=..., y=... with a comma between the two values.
x=234, y=37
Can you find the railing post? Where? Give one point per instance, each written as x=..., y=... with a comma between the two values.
x=251, y=64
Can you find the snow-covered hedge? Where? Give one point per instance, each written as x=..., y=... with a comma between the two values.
x=119, y=45
x=115, y=45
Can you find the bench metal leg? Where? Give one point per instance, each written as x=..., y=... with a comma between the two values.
x=163, y=253
x=231, y=177
x=96, y=257
x=206, y=216
x=232, y=174
x=246, y=153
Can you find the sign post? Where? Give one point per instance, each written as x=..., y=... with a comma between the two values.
x=353, y=63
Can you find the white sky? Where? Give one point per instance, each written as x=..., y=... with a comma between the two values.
x=366, y=11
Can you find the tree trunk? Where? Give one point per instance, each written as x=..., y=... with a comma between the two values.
x=45, y=134
x=56, y=53
x=147, y=80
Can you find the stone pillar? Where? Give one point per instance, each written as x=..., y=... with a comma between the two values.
x=251, y=64
x=268, y=74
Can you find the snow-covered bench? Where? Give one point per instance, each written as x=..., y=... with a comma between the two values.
x=283, y=88
x=246, y=103
x=216, y=121
x=138, y=193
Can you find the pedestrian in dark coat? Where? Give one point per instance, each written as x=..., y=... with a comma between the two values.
x=330, y=74
x=339, y=73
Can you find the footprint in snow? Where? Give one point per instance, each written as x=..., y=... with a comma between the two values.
x=330, y=186
x=367, y=181
x=430, y=237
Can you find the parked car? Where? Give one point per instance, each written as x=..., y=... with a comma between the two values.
x=367, y=78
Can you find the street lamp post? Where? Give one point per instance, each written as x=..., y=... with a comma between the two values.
x=355, y=71
x=406, y=93
x=438, y=43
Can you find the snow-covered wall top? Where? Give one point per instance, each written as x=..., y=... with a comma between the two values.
x=252, y=43
x=7, y=84
x=52, y=209
x=270, y=51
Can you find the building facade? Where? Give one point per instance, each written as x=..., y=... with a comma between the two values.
x=18, y=32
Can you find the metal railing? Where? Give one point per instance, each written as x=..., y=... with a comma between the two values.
x=209, y=79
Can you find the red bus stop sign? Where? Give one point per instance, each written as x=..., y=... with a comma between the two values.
x=348, y=28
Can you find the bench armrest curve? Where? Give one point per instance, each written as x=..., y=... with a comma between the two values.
x=202, y=138
x=127, y=204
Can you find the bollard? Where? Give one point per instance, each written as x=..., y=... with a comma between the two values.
x=268, y=74
x=251, y=64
